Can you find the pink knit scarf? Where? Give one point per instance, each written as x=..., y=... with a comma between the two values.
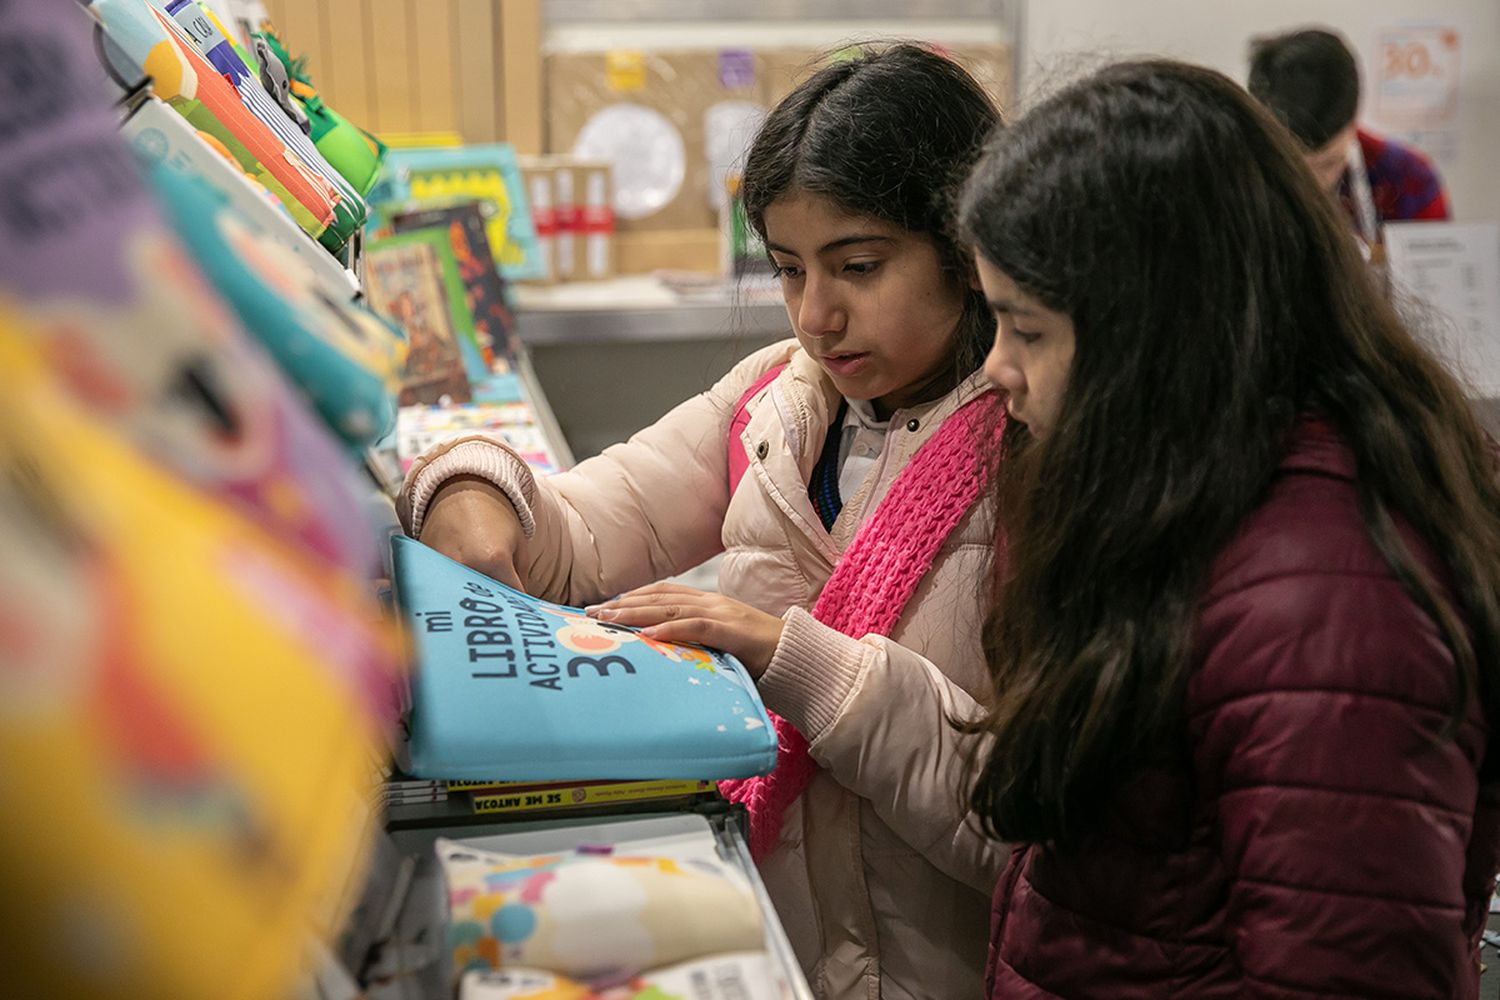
x=876, y=577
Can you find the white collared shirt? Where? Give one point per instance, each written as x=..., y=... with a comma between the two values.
x=860, y=447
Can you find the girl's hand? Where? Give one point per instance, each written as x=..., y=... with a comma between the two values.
x=675, y=613
x=470, y=521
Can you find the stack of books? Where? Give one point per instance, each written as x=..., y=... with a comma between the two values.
x=411, y=802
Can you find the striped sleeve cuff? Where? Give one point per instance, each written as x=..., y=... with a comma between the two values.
x=482, y=457
x=813, y=672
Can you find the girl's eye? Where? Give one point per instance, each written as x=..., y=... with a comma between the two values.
x=1027, y=338
x=862, y=267
x=787, y=270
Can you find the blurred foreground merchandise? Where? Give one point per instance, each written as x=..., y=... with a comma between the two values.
x=193, y=680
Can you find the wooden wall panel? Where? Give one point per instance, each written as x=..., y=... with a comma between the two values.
x=518, y=51
x=478, y=90
x=350, y=86
x=467, y=66
x=436, y=102
x=392, y=61
x=301, y=26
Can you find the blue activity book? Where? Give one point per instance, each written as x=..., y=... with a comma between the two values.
x=511, y=687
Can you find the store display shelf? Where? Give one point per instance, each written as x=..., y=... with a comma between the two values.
x=642, y=308
x=418, y=926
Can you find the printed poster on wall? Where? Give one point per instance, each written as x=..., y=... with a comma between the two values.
x=1413, y=85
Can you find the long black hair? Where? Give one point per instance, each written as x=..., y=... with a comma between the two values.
x=1216, y=297
x=891, y=135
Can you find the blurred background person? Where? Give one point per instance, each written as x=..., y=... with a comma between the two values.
x=1310, y=81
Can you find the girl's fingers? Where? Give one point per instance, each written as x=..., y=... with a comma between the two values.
x=624, y=612
x=641, y=615
x=652, y=591
x=666, y=588
x=702, y=631
x=679, y=597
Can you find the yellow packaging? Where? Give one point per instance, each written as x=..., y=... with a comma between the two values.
x=183, y=751
x=526, y=797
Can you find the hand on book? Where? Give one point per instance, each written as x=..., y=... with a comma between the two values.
x=675, y=613
x=472, y=522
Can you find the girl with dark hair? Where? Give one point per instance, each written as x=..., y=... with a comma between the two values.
x=843, y=476
x=1248, y=655
x=1246, y=641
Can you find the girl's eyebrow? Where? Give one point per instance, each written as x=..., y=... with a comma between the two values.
x=842, y=241
x=1007, y=306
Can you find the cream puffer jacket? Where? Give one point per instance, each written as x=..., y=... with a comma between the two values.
x=880, y=880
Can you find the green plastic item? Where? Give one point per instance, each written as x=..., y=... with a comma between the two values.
x=354, y=153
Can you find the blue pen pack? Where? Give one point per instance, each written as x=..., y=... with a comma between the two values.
x=511, y=687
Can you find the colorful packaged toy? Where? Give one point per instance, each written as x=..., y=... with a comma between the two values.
x=600, y=920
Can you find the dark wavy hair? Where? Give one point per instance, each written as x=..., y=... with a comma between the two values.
x=1216, y=297
x=890, y=134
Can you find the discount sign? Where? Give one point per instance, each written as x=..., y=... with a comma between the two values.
x=1416, y=79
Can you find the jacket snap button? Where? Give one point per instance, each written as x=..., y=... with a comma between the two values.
x=913, y=424
x=762, y=450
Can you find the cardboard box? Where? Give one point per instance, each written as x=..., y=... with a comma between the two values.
x=538, y=180
x=650, y=108
x=593, y=181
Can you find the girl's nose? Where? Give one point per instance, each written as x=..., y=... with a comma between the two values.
x=820, y=312
x=1002, y=372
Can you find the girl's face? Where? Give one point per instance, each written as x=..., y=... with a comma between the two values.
x=868, y=299
x=1033, y=351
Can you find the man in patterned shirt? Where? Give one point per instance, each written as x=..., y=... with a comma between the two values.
x=1310, y=81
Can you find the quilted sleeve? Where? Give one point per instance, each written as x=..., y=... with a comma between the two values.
x=645, y=509
x=1343, y=819
x=876, y=715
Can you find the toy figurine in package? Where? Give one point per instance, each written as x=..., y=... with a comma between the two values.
x=354, y=152
x=602, y=920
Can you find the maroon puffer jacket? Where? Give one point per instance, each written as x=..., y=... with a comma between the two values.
x=1317, y=838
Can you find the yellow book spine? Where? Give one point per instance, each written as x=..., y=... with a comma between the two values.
x=584, y=795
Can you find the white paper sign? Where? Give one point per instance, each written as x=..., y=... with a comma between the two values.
x=1415, y=71
x=1452, y=271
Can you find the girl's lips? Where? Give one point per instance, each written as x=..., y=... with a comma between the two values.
x=845, y=364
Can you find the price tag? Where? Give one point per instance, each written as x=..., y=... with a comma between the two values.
x=625, y=70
